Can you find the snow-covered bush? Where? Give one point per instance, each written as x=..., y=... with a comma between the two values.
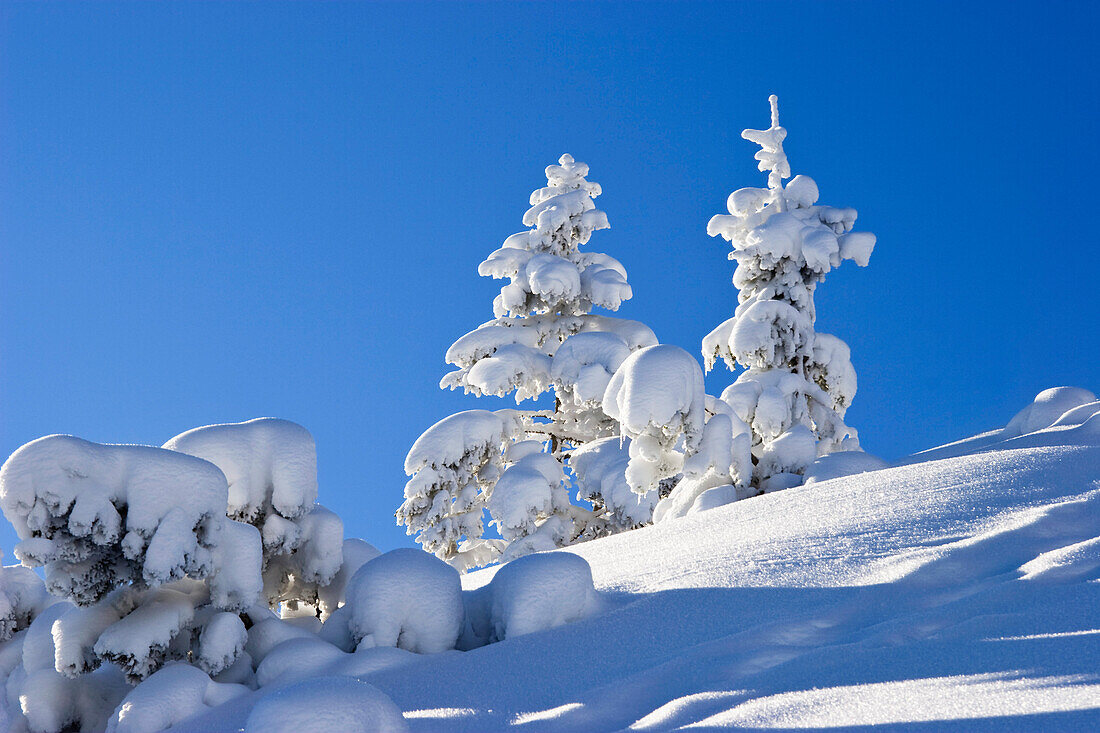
x=544, y=338
x=845, y=463
x=98, y=517
x=539, y=592
x=797, y=384
x=139, y=542
x=271, y=469
x=138, y=538
x=407, y=599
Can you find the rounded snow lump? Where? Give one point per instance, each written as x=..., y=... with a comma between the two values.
x=537, y=592
x=326, y=704
x=408, y=599
x=1049, y=405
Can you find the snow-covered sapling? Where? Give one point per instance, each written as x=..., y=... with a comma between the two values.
x=797, y=383
x=544, y=338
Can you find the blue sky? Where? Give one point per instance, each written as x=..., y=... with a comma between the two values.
x=213, y=212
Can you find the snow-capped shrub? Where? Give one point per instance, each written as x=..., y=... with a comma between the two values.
x=723, y=461
x=267, y=633
x=271, y=469
x=356, y=553
x=408, y=599
x=798, y=383
x=170, y=696
x=544, y=338
x=326, y=704
x=657, y=396
x=295, y=659
x=539, y=592
x=1048, y=406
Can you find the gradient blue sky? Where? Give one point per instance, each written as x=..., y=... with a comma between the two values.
x=214, y=212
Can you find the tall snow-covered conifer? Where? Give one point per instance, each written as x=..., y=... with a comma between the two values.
x=544, y=338
x=797, y=384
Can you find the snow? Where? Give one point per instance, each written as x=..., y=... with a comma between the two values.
x=170, y=696
x=326, y=704
x=222, y=640
x=601, y=467
x=407, y=599
x=657, y=396
x=264, y=460
x=98, y=516
x=1048, y=406
x=838, y=465
x=956, y=590
x=539, y=592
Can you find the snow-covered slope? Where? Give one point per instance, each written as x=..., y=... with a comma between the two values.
x=958, y=592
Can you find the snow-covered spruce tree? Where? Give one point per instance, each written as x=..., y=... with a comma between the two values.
x=544, y=338
x=797, y=384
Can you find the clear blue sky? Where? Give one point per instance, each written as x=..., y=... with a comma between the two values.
x=214, y=212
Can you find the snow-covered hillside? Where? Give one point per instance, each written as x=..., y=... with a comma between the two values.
x=953, y=593
x=956, y=590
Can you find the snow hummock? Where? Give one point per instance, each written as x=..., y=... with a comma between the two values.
x=408, y=599
x=326, y=704
x=539, y=592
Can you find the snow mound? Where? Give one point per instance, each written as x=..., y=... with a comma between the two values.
x=844, y=463
x=539, y=592
x=1049, y=405
x=407, y=599
x=170, y=696
x=326, y=704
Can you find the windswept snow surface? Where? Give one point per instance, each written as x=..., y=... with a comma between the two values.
x=955, y=594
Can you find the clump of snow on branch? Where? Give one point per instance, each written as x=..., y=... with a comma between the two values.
x=657, y=396
x=271, y=469
x=797, y=383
